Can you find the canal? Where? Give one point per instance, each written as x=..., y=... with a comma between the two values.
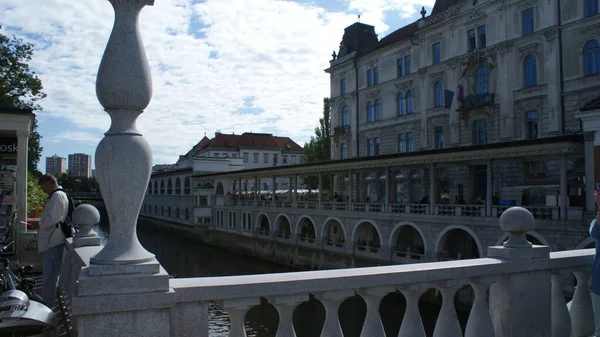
x=183, y=257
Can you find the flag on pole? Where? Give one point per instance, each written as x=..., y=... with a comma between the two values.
x=448, y=97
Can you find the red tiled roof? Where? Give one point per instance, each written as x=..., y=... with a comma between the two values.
x=287, y=144
x=224, y=141
x=264, y=140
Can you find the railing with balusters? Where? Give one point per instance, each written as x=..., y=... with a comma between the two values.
x=238, y=294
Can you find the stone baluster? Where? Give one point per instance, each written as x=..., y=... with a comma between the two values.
x=480, y=321
x=331, y=301
x=373, y=296
x=561, y=320
x=237, y=310
x=412, y=325
x=123, y=156
x=285, y=305
x=581, y=311
x=447, y=323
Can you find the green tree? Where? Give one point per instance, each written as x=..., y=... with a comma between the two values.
x=319, y=147
x=36, y=198
x=21, y=88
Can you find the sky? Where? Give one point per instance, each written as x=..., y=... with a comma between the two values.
x=232, y=66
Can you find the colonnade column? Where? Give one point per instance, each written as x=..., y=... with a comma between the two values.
x=432, y=174
x=295, y=189
x=350, y=188
x=290, y=196
x=240, y=191
x=320, y=187
x=22, y=148
x=255, y=189
x=590, y=205
x=386, y=193
x=563, y=188
x=273, y=196
x=489, y=182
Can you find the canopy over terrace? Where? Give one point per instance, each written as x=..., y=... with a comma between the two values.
x=559, y=149
x=15, y=127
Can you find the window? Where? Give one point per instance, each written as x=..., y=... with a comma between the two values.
x=406, y=64
x=255, y=157
x=527, y=21
x=232, y=218
x=590, y=7
x=234, y=155
x=293, y=159
x=409, y=102
x=202, y=200
x=530, y=71
x=345, y=112
x=405, y=142
x=532, y=125
x=438, y=137
x=373, y=146
x=215, y=154
x=482, y=80
x=370, y=112
x=438, y=97
x=372, y=76
x=343, y=151
x=472, y=40
x=275, y=157
x=479, y=132
x=343, y=86
x=436, y=52
x=401, y=105
x=400, y=67
x=245, y=157
x=591, y=57
x=377, y=110
x=266, y=158
x=285, y=159
x=401, y=143
x=481, y=37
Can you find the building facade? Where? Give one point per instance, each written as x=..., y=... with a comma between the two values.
x=257, y=150
x=56, y=165
x=80, y=165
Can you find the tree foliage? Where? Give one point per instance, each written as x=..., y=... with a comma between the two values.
x=21, y=88
x=36, y=198
x=319, y=147
x=78, y=184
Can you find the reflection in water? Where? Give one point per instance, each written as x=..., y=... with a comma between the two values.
x=183, y=257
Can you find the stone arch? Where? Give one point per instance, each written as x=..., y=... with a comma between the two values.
x=162, y=186
x=374, y=235
x=187, y=185
x=155, y=186
x=177, y=186
x=537, y=239
x=220, y=189
x=283, y=219
x=263, y=224
x=330, y=234
x=149, y=191
x=440, y=241
x=589, y=242
x=416, y=241
x=170, y=186
x=306, y=230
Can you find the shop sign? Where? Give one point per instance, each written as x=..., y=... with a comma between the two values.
x=8, y=145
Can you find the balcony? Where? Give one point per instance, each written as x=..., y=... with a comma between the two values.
x=341, y=131
x=476, y=101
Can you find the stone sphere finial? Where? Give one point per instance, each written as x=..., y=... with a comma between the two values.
x=517, y=221
x=85, y=217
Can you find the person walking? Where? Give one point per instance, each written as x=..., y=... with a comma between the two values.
x=50, y=236
x=595, y=233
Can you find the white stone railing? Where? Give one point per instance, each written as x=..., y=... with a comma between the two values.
x=286, y=291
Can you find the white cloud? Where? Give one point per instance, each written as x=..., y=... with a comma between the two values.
x=273, y=51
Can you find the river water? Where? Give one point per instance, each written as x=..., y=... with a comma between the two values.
x=183, y=257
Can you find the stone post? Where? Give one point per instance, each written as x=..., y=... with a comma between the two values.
x=85, y=217
x=124, y=291
x=520, y=304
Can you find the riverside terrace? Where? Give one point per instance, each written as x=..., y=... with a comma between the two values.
x=401, y=206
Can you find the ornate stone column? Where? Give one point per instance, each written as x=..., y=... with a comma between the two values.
x=123, y=156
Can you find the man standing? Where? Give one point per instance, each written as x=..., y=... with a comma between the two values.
x=595, y=233
x=50, y=236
